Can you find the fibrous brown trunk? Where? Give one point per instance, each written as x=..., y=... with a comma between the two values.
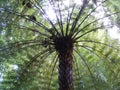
x=64, y=47
x=65, y=71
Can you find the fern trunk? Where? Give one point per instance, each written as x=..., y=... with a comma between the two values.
x=64, y=47
x=65, y=71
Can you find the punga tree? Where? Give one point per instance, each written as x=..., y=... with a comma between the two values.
x=47, y=39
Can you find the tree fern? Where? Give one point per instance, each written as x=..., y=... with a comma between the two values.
x=72, y=51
